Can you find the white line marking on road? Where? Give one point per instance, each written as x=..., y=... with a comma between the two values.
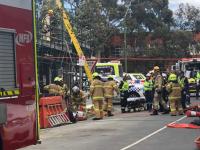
x=146, y=137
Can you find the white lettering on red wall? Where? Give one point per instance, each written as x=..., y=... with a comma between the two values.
x=24, y=38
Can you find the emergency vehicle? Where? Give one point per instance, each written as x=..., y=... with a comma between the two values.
x=18, y=96
x=190, y=66
x=113, y=68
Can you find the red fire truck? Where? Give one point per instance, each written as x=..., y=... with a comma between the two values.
x=18, y=96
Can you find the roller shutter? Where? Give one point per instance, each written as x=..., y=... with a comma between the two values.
x=7, y=61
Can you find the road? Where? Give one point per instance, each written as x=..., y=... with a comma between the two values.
x=132, y=131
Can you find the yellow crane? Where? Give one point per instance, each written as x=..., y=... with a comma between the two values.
x=74, y=39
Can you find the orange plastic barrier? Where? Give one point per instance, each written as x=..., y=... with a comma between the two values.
x=51, y=112
x=197, y=141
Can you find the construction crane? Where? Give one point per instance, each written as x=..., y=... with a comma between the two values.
x=74, y=39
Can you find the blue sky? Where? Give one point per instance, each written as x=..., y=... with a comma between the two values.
x=173, y=4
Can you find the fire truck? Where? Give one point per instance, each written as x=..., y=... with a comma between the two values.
x=189, y=66
x=18, y=78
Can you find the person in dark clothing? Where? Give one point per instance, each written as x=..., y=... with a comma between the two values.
x=124, y=86
x=185, y=94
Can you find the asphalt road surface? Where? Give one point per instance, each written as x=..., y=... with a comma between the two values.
x=130, y=131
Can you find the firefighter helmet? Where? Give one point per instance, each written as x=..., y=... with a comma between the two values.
x=50, y=12
x=148, y=75
x=95, y=74
x=58, y=79
x=75, y=89
x=110, y=77
x=156, y=68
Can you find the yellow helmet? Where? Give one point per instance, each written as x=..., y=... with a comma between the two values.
x=110, y=77
x=156, y=68
x=95, y=74
x=58, y=79
x=50, y=12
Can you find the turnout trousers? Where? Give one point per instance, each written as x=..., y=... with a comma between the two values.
x=98, y=108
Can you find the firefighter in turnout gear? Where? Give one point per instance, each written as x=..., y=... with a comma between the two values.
x=109, y=87
x=174, y=90
x=158, y=84
x=78, y=99
x=148, y=91
x=124, y=86
x=56, y=88
x=97, y=94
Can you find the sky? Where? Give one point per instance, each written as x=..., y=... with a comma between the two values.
x=173, y=4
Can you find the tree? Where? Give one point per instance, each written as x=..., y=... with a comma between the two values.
x=187, y=17
x=96, y=21
x=150, y=16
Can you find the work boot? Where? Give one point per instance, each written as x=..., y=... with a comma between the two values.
x=173, y=113
x=181, y=113
x=155, y=112
x=96, y=118
x=123, y=110
x=110, y=114
x=165, y=112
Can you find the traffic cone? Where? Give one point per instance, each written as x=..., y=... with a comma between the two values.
x=192, y=114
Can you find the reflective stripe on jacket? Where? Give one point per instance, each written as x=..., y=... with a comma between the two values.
x=148, y=85
x=109, y=88
x=125, y=86
x=96, y=90
x=174, y=90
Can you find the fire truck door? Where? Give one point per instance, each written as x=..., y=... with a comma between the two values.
x=27, y=77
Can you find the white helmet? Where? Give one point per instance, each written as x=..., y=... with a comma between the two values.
x=148, y=75
x=75, y=89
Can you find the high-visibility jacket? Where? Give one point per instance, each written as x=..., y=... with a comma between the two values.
x=96, y=90
x=109, y=88
x=125, y=86
x=148, y=85
x=198, y=75
x=174, y=90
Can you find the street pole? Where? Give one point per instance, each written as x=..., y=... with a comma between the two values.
x=125, y=38
x=125, y=48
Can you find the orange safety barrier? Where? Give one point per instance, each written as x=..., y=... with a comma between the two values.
x=51, y=112
x=197, y=141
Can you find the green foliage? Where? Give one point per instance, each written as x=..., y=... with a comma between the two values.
x=187, y=17
x=95, y=21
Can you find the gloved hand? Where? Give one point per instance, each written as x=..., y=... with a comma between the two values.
x=158, y=91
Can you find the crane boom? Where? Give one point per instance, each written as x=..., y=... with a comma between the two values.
x=74, y=39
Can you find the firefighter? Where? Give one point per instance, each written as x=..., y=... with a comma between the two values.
x=78, y=99
x=64, y=88
x=124, y=86
x=97, y=94
x=109, y=87
x=55, y=89
x=148, y=92
x=158, y=99
x=174, y=90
